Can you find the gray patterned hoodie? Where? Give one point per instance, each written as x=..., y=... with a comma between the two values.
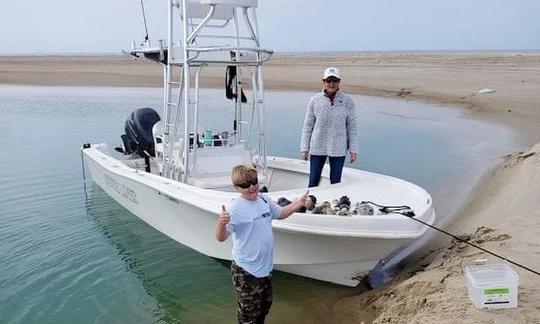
x=330, y=128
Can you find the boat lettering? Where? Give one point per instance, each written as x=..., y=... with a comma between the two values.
x=122, y=190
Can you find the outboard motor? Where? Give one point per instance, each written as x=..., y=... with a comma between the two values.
x=138, y=138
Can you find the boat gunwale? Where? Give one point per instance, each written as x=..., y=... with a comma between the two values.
x=217, y=197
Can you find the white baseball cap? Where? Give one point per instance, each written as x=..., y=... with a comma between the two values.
x=331, y=72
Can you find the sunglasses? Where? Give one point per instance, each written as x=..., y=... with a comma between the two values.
x=252, y=182
x=331, y=81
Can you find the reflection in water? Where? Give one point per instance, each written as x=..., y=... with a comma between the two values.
x=172, y=274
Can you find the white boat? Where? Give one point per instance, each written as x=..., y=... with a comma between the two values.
x=178, y=188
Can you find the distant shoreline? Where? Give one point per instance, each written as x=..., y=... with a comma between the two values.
x=310, y=53
x=448, y=78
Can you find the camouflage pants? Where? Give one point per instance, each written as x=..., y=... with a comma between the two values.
x=254, y=296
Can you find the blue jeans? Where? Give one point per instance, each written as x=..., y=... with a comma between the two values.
x=316, y=165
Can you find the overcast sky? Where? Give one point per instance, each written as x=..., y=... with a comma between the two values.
x=76, y=26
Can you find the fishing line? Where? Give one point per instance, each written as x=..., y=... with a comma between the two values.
x=407, y=212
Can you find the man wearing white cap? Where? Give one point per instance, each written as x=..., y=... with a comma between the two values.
x=329, y=129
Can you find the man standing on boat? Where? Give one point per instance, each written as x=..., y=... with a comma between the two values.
x=249, y=221
x=329, y=130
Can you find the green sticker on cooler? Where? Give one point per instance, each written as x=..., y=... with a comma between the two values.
x=496, y=291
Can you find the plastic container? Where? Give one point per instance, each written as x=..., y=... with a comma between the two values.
x=492, y=285
x=208, y=137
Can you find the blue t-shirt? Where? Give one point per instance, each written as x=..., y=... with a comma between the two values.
x=251, y=230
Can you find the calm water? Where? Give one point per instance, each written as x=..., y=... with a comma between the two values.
x=66, y=259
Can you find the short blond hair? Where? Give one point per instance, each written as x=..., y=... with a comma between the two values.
x=242, y=173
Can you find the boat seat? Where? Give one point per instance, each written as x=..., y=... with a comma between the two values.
x=211, y=182
x=213, y=165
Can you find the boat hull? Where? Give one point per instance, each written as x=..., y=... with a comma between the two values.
x=304, y=245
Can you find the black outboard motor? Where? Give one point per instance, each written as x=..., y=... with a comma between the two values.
x=138, y=138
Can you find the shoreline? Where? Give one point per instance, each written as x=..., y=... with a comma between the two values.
x=446, y=78
x=502, y=211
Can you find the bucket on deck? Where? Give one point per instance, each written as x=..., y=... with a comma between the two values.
x=492, y=285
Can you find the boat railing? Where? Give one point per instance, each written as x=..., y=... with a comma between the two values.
x=209, y=55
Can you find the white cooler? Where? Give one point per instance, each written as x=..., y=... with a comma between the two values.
x=492, y=285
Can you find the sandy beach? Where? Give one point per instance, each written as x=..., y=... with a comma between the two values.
x=503, y=213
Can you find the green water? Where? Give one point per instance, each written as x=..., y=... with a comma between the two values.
x=67, y=256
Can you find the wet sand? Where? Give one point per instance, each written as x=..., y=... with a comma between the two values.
x=503, y=213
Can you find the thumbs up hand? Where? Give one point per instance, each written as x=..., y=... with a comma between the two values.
x=223, y=219
x=224, y=216
x=305, y=199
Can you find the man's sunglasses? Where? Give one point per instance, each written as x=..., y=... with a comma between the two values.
x=331, y=81
x=252, y=182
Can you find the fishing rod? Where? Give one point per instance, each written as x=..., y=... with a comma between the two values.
x=407, y=212
x=144, y=20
